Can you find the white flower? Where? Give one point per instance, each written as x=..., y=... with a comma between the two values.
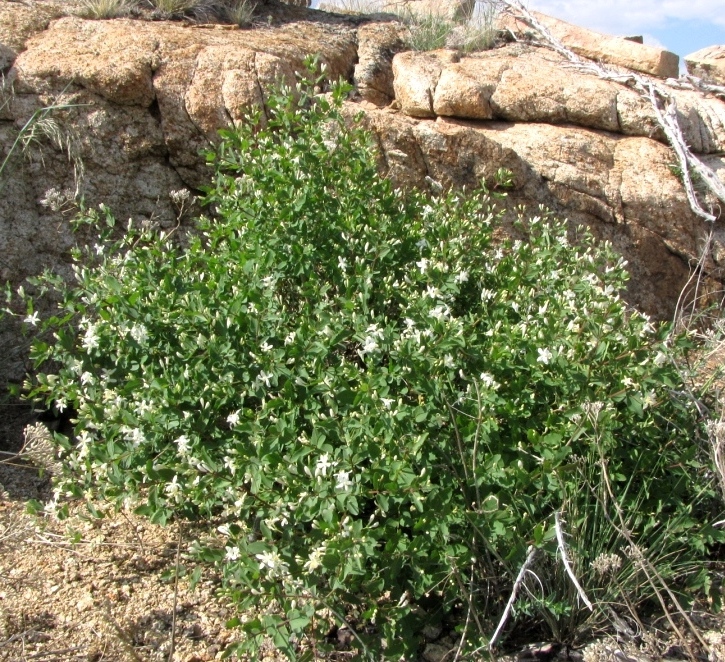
x=233, y=418
x=290, y=338
x=488, y=381
x=649, y=399
x=323, y=464
x=90, y=339
x=422, y=264
x=422, y=243
x=61, y=405
x=461, y=276
x=486, y=294
x=387, y=402
x=232, y=554
x=135, y=436
x=139, y=333
x=266, y=347
x=343, y=480
x=87, y=378
x=173, y=489
x=265, y=377
x=183, y=443
x=432, y=292
x=448, y=362
x=341, y=262
x=32, y=319
x=375, y=331
x=268, y=281
x=440, y=312
x=273, y=562
x=315, y=559
x=369, y=345
x=229, y=464
x=544, y=356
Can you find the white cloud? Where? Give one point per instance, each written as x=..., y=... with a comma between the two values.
x=625, y=17
x=651, y=40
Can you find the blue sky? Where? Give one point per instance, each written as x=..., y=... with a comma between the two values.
x=681, y=26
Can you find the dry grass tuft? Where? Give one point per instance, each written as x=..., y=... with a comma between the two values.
x=238, y=12
x=102, y=9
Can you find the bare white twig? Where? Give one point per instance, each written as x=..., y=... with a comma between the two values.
x=512, y=598
x=567, y=564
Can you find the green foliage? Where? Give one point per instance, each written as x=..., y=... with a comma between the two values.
x=385, y=407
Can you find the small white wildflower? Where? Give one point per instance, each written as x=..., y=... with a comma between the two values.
x=90, y=339
x=61, y=405
x=290, y=338
x=266, y=347
x=432, y=292
x=173, y=489
x=232, y=554
x=323, y=464
x=87, y=378
x=139, y=333
x=136, y=437
x=273, y=562
x=180, y=196
x=461, y=276
x=660, y=359
x=343, y=480
x=423, y=264
x=32, y=319
x=268, y=281
x=375, y=331
x=229, y=464
x=487, y=295
x=488, y=381
x=440, y=312
x=342, y=263
x=233, y=418
x=448, y=362
x=369, y=345
x=545, y=356
x=387, y=402
x=315, y=559
x=265, y=378
x=184, y=444
x=649, y=399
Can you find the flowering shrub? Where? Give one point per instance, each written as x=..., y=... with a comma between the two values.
x=385, y=407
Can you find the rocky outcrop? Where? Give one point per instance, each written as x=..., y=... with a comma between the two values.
x=619, y=51
x=521, y=83
x=708, y=64
x=140, y=101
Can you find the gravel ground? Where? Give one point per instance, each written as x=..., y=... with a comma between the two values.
x=97, y=589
